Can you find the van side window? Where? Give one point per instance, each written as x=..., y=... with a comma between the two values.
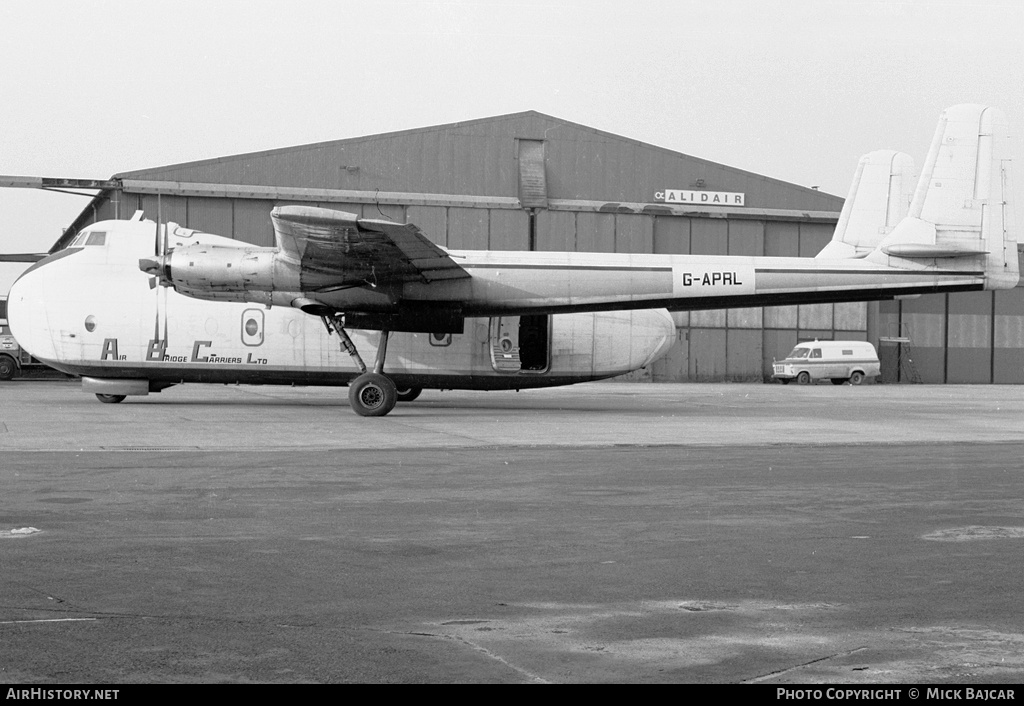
x=847, y=351
x=816, y=353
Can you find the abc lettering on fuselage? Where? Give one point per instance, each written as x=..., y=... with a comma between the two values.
x=156, y=352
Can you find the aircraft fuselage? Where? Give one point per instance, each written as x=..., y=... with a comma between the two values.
x=88, y=310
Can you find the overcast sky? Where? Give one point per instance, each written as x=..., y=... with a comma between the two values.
x=796, y=90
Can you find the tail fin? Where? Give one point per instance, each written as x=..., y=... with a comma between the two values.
x=961, y=211
x=879, y=198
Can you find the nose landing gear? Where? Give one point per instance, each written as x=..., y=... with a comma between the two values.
x=372, y=394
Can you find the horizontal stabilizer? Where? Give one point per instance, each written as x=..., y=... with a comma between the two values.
x=922, y=250
x=914, y=237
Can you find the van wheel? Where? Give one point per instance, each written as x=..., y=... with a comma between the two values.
x=857, y=378
x=110, y=399
x=8, y=368
x=803, y=378
x=838, y=381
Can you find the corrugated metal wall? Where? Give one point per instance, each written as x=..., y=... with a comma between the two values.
x=973, y=337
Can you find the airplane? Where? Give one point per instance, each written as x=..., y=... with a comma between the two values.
x=211, y=309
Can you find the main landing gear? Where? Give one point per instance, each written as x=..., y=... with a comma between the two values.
x=372, y=394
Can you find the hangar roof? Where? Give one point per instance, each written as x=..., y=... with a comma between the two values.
x=478, y=158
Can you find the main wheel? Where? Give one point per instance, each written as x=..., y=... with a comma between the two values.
x=372, y=395
x=803, y=378
x=110, y=399
x=408, y=394
x=857, y=378
x=8, y=368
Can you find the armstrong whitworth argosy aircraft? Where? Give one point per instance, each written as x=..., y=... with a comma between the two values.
x=481, y=320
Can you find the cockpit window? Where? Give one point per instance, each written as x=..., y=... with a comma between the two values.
x=799, y=352
x=90, y=237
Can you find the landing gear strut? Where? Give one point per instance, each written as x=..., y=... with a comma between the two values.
x=372, y=394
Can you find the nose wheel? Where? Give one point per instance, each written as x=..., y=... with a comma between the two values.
x=372, y=394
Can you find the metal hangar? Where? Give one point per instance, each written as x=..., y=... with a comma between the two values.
x=529, y=181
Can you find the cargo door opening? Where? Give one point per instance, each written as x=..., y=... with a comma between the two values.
x=520, y=344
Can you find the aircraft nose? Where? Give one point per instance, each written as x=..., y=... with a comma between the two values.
x=26, y=312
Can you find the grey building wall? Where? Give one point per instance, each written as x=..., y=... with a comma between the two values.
x=974, y=337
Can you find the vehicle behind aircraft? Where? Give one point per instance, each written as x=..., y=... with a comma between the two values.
x=13, y=358
x=838, y=361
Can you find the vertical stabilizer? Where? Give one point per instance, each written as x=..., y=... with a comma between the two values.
x=879, y=198
x=960, y=216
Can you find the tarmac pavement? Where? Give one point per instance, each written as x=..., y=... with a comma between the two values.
x=607, y=532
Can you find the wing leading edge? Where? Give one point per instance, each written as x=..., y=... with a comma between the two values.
x=335, y=249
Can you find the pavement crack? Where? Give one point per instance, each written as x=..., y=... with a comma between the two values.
x=65, y=604
x=530, y=676
x=780, y=672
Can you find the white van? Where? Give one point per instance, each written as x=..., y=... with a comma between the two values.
x=839, y=361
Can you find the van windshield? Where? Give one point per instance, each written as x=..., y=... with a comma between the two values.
x=799, y=352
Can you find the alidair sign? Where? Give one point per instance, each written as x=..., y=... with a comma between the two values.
x=703, y=198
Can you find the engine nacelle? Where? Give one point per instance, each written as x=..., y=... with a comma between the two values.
x=219, y=268
x=224, y=273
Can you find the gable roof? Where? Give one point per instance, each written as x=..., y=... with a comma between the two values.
x=478, y=157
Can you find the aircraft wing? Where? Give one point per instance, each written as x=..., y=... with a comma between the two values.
x=335, y=249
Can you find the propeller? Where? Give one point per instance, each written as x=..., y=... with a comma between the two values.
x=159, y=265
